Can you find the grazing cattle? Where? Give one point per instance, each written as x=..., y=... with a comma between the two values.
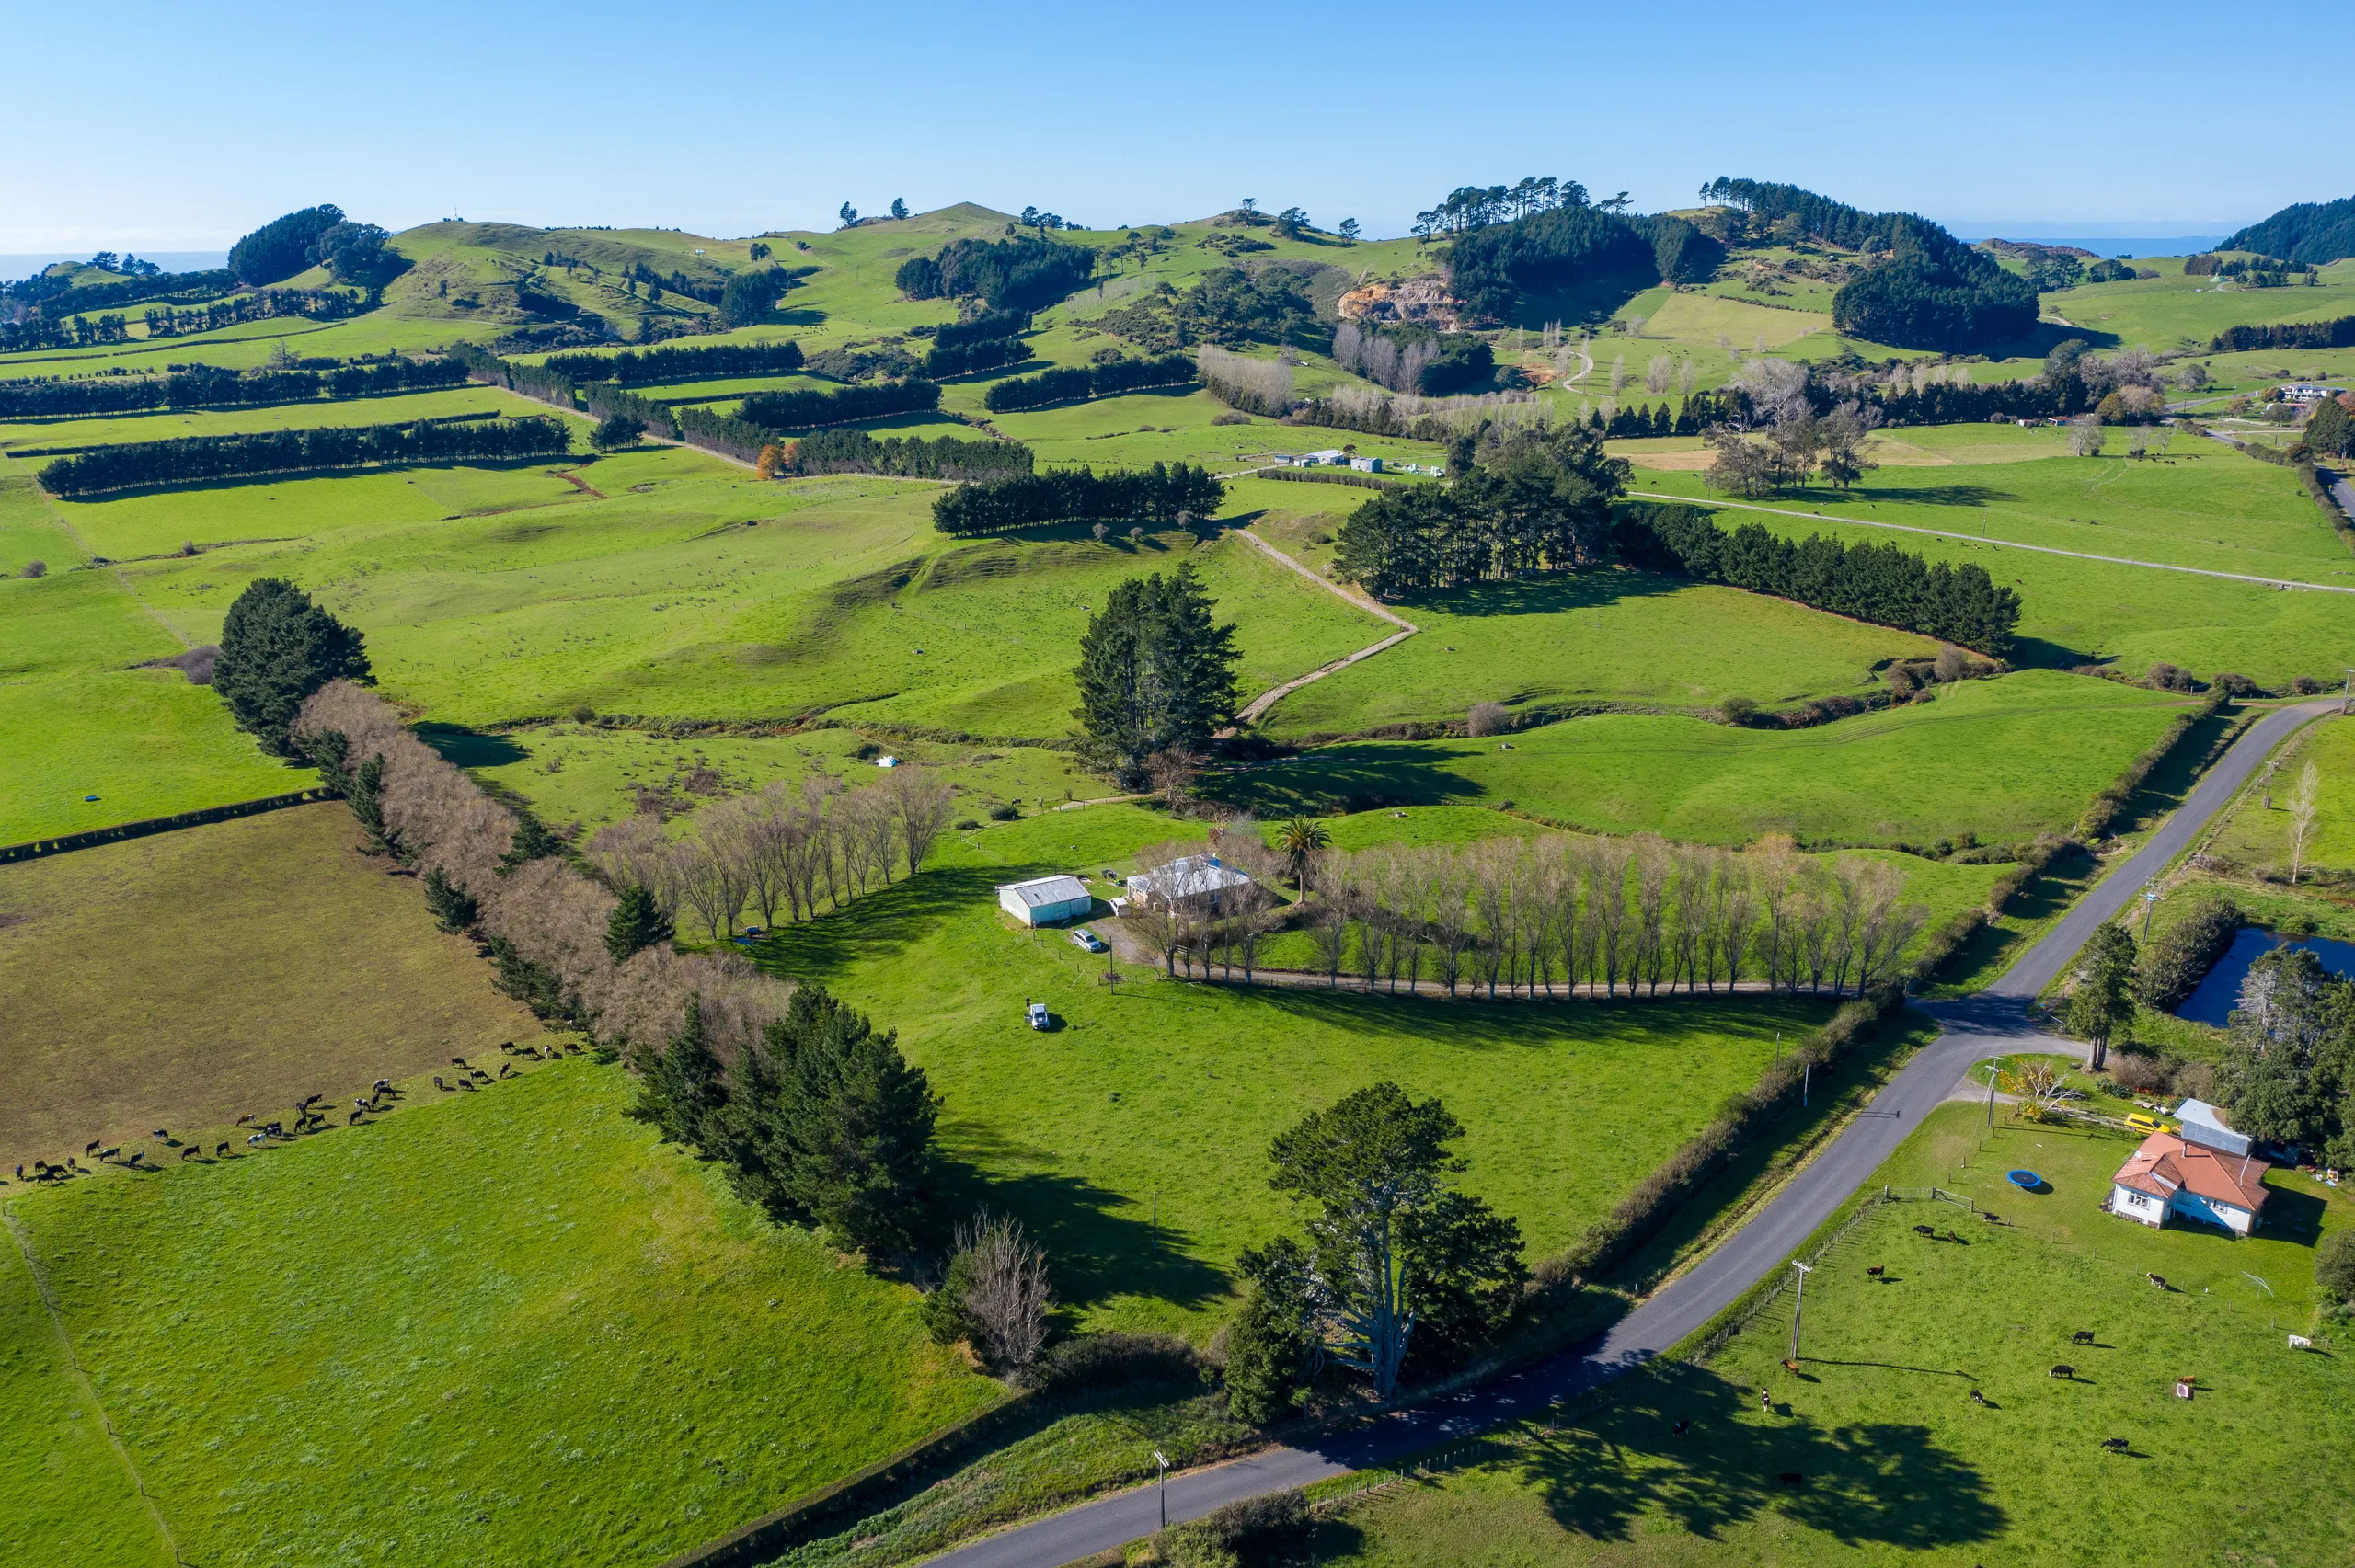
x=2299, y=1341
x=1792, y=1477
x=257, y=1137
x=355, y=1118
x=1790, y=1366
x=109, y=1153
x=505, y=1071
x=136, y=1155
x=2115, y=1445
x=20, y=1173
x=189, y=1153
x=159, y=1132
x=457, y=1061
x=572, y=1047
x=2063, y=1370
x=91, y=1146
x=1877, y=1270
x=382, y=1086
x=2158, y=1279
x=439, y=1084
x=1767, y=1402
x=507, y=1045
x=246, y=1120
x=1680, y=1428
x=273, y=1129
x=1925, y=1230
x=1978, y=1398
x=2083, y=1336
x=221, y=1150
x=467, y=1084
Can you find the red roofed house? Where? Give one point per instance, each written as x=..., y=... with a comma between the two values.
x=2167, y=1175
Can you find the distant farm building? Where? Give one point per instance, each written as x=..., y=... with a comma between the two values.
x=1366, y=464
x=2167, y=1175
x=1046, y=899
x=2307, y=392
x=1196, y=883
x=1329, y=456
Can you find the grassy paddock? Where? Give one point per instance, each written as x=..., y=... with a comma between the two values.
x=186, y=978
x=1899, y=1463
x=1167, y=1091
x=2005, y=759
x=502, y=1328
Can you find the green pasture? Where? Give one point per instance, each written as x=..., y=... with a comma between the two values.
x=1896, y=1463
x=251, y=345
x=2177, y=310
x=2259, y=835
x=592, y=775
x=491, y=1329
x=2004, y=759
x=685, y=588
x=316, y=414
x=1166, y=1091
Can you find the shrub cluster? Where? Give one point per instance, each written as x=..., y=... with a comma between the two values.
x=191, y=458
x=910, y=457
x=2174, y=960
x=1136, y=495
x=1879, y=583
x=1076, y=384
x=839, y=406
x=961, y=359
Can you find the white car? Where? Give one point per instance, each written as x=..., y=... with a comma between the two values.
x=1086, y=940
x=1038, y=1014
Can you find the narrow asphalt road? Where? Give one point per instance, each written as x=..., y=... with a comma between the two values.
x=1994, y=1022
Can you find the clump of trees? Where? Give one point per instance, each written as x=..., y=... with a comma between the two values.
x=1156, y=673
x=1397, y=1267
x=2171, y=967
x=913, y=457
x=283, y=246
x=277, y=649
x=207, y=386
x=1413, y=359
x=1239, y=381
x=819, y=1118
x=1566, y=248
x=1535, y=500
x=1227, y=305
x=748, y=297
x=1076, y=384
x=982, y=326
x=1161, y=494
x=963, y=359
x=786, y=850
x=2101, y=993
x=1879, y=583
x=2289, y=1068
x=799, y=409
x=1022, y=273
x=201, y=458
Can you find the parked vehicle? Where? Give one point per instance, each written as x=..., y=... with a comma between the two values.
x=1087, y=939
x=1038, y=1014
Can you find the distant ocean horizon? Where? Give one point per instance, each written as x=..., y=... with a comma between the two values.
x=2101, y=244
x=27, y=263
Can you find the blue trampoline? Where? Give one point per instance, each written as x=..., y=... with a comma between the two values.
x=2027, y=1181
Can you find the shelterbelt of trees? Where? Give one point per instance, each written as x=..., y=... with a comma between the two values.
x=204, y=386
x=1160, y=494
x=199, y=458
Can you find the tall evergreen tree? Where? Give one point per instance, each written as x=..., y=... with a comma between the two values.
x=681, y=1087
x=1155, y=673
x=452, y=907
x=1273, y=1351
x=277, y=648
x=828, y=1123
x=636, y=923
x=2104, y=997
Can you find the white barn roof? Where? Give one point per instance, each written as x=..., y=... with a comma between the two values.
x=1045, y=891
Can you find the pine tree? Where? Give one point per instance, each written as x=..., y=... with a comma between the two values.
x=277, y=648
x=636, y=923
x=828, y=1123
x=1155, y=673
x=1272, y=1350
x=364, y=791
x=453, y=909
x=681, y=1090
x=533, y=840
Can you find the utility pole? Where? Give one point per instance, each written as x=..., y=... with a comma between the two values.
x=1991, y=1095
x=1161, y=1462
x=2347, y=694
x=1798, y=1302
x=2149, y=900
x=1807, y=1076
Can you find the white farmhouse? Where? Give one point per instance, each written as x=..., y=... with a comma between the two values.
x=1046, y=899
x=2167, y=1175
x=1196, y=882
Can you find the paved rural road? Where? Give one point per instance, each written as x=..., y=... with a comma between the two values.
x=2006, y=543
x=1994, y=1022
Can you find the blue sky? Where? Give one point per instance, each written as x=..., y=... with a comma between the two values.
x=162, y=129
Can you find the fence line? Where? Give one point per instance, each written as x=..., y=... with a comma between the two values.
x=1749, y=1313
x=35, y=849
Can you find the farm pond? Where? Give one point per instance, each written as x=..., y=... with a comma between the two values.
x=2219, y=991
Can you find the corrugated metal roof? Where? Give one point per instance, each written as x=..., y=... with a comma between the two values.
x=1044, y=891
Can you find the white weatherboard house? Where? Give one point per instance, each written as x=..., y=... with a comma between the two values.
x=1196, y=882
x=2167, y=1175
x=1046, y=899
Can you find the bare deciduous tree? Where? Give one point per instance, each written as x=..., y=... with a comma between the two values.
x=2305, y=804
x=1006, y=1293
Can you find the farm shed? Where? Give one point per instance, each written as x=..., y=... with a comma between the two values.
x=1195, y=882
x=2166, y=1176
x=2206, y=1126
x=1046, y=899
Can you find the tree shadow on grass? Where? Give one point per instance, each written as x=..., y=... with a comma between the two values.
x=2038, y=654
x=1554, y=594
x=1474, y=1023
x=1932, y=495
x=883, y=920
x=1880, y=1483
x=1347, y=779
x=1099, y=1244
x=464, y=748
